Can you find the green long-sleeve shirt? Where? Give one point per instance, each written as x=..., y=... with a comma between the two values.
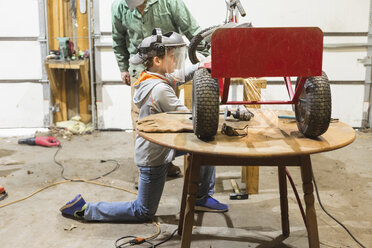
x=129, y=28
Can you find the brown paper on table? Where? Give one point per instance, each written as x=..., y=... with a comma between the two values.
x=156, y=124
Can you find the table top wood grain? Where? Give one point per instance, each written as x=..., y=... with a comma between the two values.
x=268, y=136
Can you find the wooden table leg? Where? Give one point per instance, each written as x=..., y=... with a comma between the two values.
x=283, y=200
x=190, y=201
x=184, y=193
x=307, y=185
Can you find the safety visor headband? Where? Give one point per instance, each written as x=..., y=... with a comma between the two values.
x=156, y=48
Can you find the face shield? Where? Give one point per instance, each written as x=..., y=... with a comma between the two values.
x=175, y=63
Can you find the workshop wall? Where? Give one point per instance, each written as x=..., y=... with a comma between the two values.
x=21, y=94
x=21, y=105
x=342, y=21
x=335, y=17
x=19, y=18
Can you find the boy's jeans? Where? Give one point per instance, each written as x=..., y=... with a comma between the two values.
x=150, y=188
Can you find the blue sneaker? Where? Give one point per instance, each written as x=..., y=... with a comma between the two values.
x=209, y=204
x=74, y=207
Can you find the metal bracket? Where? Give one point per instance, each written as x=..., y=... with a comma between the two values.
x=83, y=6
x=366, y=61
x=54, y=108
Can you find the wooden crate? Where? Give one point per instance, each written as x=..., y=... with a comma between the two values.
x=187, y=94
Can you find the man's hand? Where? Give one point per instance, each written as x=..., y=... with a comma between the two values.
x=125, y=77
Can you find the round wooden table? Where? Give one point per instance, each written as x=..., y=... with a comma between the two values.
x=270, y=142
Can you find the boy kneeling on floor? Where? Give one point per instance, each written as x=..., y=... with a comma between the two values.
x=163, y=57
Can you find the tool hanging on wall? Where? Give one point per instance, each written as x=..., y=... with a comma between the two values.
x=74, y=21
x=83, y=6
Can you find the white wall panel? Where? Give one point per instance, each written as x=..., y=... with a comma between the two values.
x=330, y=15
x=21, y=105
x=109, y=67
x=340, y=64
x=105, y=15
x=343, y=65
x=344, y=16
x=116, y=106
x=208, y=12
x=347, y=103
x=19, y=18
x=20, y=60
x=275, y=92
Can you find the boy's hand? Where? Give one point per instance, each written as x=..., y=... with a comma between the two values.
x=206, y=63
x=125, y=76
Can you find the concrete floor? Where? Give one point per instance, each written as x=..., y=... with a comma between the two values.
x=344, y=179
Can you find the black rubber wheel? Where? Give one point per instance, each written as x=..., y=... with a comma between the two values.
x=313, y=110
x=205, y=105
x=194, y=43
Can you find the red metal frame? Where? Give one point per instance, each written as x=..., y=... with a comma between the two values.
x=266, y=52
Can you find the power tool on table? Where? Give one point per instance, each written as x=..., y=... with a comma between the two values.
x=239, y=115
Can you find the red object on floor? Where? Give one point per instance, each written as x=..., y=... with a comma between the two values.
x=2, y=189
x=41, y=141
x=47, y=141
x=3, y=193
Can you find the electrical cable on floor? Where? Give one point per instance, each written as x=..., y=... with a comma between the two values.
x=157, y=233
x=139, y=240
x=321, y=205
x=68, y=180
x=296, y=195
x=167, y=239
x=91, y=179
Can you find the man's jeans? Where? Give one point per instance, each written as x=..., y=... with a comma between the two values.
x=150, y=188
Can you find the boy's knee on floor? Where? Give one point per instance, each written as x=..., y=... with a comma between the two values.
x=145, y=214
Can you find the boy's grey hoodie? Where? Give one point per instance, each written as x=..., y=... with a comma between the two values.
x=155, y=95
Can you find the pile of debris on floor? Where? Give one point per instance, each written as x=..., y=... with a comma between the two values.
x=66, y=129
